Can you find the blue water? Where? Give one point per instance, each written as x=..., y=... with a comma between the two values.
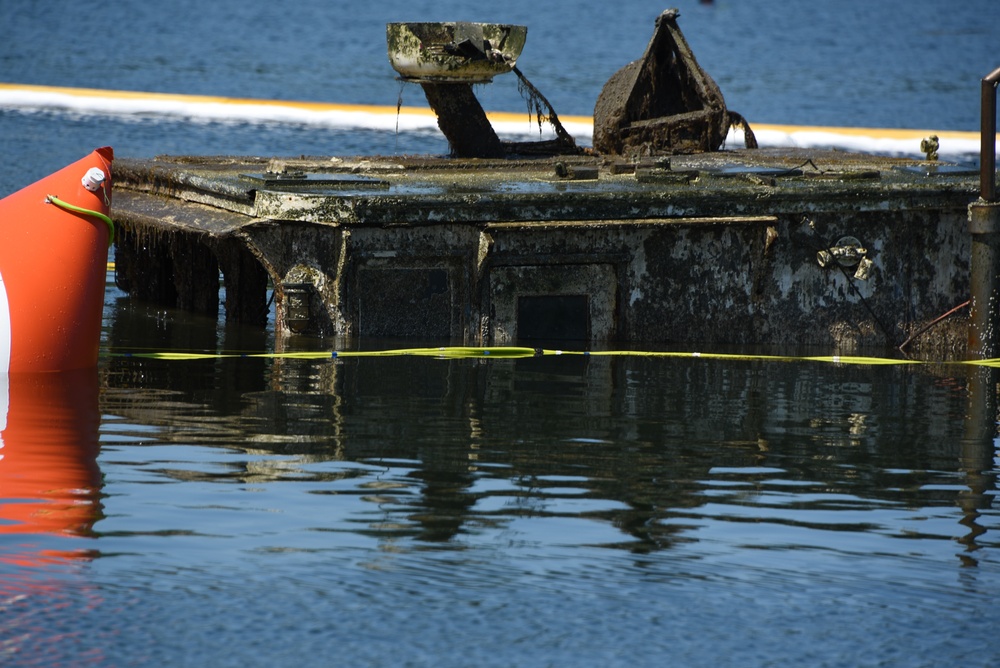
x=624, y=511
x=840, y=63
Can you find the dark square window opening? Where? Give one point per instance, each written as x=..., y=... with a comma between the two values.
x=553, y=317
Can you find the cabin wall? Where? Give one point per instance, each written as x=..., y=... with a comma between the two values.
x=750, y=280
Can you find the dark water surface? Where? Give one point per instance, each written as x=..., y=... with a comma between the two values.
x=550, y=510
x=545, y=511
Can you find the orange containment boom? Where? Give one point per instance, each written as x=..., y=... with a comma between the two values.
x=54, y=239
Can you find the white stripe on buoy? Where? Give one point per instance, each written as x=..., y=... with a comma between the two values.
x=4, y=360
x=4, y=336
x=4, y=406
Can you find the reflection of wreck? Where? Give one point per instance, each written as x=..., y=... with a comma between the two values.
x=470, y=450
x=664, y=102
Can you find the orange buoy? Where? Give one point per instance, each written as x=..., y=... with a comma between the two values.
x=54, y=238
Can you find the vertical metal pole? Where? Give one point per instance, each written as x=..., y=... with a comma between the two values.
x=988, y=136
x=984, y=280
x=984, y=324
x=984, y=229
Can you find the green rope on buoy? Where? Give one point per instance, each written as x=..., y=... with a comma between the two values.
x=87, y=212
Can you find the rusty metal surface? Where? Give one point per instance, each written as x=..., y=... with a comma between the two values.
x=988, y=132
x=419, y=191
x=656, y=236
x=714, y=247
x=462, y=121
x=664, y=103
x=454, y=52
x=984, y=311
x=446, y=59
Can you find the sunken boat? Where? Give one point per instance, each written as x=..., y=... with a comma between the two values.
x=658, y=234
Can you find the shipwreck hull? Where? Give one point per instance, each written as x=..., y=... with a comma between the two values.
x=723, y=248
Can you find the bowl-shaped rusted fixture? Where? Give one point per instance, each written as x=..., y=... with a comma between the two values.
x=454, y=52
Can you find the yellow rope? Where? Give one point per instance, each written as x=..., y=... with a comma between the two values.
x=513, y=352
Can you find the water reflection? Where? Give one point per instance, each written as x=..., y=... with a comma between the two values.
x=978, y=448
x=49, y=478
x=451, y=451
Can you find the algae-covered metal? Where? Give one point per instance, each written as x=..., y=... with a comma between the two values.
x=447, y=59
x=455, y=52
x=581, y=247
x=748, y=246
x=663, y=103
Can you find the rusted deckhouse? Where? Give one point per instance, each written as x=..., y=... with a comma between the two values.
x=653, y=237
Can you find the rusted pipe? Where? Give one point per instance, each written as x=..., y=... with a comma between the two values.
x=462, y=120
x=984, y=233
x=988, y=138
